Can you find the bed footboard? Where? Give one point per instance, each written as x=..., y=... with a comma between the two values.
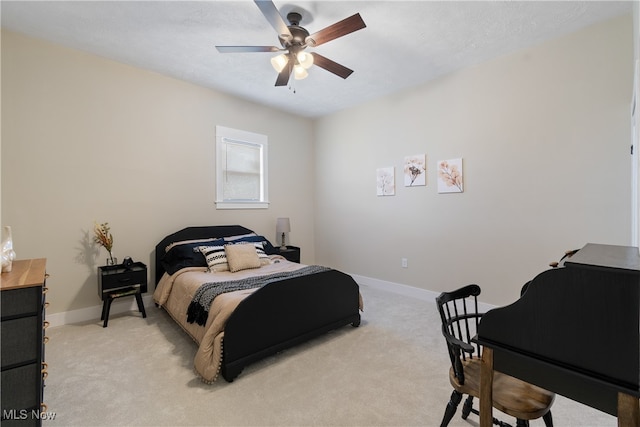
x=286, y=313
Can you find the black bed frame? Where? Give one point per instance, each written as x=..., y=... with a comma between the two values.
x=279, y=315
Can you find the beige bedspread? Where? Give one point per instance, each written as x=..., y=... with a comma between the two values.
x=175, y=292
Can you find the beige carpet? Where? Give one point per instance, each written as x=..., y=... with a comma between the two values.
x=391, y=371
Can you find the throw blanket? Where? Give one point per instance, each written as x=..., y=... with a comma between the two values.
x=198, y=310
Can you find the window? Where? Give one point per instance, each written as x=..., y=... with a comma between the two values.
x=241, y=169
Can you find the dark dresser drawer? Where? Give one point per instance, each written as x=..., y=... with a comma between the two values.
x=21, y=405
x=20, y=339
x=16, y=302
x=22, y=419
x=20, y=387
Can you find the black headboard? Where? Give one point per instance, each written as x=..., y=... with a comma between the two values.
x=191, y=233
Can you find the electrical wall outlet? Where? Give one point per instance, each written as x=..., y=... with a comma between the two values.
x=404, y=263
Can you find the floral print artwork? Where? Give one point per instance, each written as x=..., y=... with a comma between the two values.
x=386, y=183
x=415, y=168
x=450, y=176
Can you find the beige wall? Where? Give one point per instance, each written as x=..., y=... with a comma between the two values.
x=545, y=136
x=85, y=139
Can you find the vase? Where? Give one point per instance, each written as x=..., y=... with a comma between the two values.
x=112, y=261
x=8, y=254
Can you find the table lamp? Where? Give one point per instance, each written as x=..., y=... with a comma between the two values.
x=283, y=226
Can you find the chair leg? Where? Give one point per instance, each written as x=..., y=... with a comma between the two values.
x=548, y=420
x=450, y=411
x=466, y=408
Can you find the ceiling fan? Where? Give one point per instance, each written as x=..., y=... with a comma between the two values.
x=295, y=39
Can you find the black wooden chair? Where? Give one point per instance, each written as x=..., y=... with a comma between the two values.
x=460, y=319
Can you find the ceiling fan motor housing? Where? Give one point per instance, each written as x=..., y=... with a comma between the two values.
x=299, y=34
x=294, y=18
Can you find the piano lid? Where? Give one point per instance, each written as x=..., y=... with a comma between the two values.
x=622, y=257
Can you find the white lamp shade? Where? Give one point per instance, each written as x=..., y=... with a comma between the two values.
x=305, y=60
x=299, y=73
x=279, y=62
x=283, y=225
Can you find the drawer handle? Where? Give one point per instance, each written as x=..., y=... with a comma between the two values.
x=44, y=407
x=45, y=324
x=45, y=374
x=124, y=279
x=44, y=365
x=46, y=304
x=45, y=340
x=47, y=275
x=45, y=290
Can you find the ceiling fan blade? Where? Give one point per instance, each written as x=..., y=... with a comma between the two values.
x=233, y=49
x=270, y=12
x=285, y=74
x=339, y=29
x=331, y=66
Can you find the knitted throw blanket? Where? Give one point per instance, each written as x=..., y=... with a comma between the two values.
x=198, y=310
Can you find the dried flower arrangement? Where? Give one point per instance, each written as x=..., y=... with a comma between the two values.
x=104, y=238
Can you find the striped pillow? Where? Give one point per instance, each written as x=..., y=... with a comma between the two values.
x=260, y=250
x=216, y=257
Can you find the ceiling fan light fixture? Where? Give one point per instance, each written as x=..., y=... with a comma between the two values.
x=299, y=72
x=279, y=62
x=294, y=39
x=305, y=60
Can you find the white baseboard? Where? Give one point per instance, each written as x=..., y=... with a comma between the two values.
x=396, y=288
x=94, y=313
x=409, y=291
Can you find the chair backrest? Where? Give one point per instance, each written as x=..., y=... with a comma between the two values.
x=460, y=318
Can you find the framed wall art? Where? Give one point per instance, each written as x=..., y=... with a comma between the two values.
x=385, y=181
x=415, y=170
x=450, y=179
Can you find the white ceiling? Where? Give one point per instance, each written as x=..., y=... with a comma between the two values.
x=406, y=43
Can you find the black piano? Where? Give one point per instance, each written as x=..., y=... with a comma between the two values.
x=575, y=331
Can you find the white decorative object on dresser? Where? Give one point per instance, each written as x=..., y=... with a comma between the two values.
x=8, y=254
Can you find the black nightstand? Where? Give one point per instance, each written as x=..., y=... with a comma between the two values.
x=117, y=281
x=292, y=253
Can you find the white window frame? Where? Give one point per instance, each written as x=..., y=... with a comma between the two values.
x=226, y=135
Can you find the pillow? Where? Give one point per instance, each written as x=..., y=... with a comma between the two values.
x=215, y=256
x=183, y=256
x=207, y=241
x=267, y=247
x=259, y=249
x=239, y=237
x=242, y=257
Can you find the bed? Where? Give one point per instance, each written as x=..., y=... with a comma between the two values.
x=244, y=325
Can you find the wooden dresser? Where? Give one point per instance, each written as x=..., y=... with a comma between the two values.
x=22, y=326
